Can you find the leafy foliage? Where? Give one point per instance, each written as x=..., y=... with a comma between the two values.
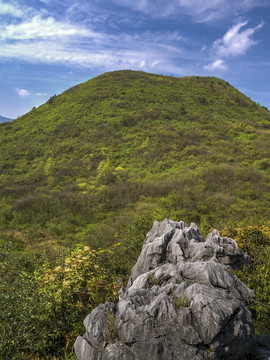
x=17, y=301
x=255, y=240
x=43, y=308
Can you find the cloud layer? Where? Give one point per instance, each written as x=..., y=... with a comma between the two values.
x=40, y=37
x=198, y=10
x=40, y=28
x=88, y=35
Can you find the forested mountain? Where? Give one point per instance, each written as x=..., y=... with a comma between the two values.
x=99, y=163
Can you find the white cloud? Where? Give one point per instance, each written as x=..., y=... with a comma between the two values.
x=9, y=9
x=41, y=94
x=127, y=55
x=218, y=65
x=236, y=42
x=23, y=92
x=204, y=48
x=215, y=10
x=38, y=27
x=204, y=11
x=154, y=64
x=198, y=10
x=47, y=2
x=142, y=64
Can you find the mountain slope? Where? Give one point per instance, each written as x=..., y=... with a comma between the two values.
x=128, y=147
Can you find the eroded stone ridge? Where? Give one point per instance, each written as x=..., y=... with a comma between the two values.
x=181, y=302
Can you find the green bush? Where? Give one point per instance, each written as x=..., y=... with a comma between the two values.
x=42, y=309
x=255, y=240
x=18, y=301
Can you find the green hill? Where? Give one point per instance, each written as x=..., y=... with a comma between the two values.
x=97, y=165
x=130, y=144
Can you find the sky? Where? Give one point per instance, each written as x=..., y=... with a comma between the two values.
x=48, y=46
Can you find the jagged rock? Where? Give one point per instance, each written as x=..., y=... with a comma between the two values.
x=181, y=302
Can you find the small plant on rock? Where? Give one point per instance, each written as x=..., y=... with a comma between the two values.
x=180, y=301
x=152, y=280
x=111, y=333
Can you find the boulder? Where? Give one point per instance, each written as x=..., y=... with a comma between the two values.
x=181, y=302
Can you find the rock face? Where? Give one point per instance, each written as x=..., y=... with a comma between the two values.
x=181, y=302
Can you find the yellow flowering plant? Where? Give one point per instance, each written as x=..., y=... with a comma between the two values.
x=255, y=240
x=70, y=291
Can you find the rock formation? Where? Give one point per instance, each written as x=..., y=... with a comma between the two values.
x=181, y=302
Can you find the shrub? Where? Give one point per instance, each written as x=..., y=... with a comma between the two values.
x=69, y=292
x=255, y=240
x=42, y=309
x=18, y=301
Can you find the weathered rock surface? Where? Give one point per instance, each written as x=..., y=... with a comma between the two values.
x=181, y=302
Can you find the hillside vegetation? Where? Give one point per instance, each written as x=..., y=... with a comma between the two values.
x=99, y=163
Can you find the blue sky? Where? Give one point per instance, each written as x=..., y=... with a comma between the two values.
x=47, y=46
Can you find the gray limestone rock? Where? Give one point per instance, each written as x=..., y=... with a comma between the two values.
x=181, y=302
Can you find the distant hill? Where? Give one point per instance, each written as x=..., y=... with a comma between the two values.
x=4, y=119
x=125, y=148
